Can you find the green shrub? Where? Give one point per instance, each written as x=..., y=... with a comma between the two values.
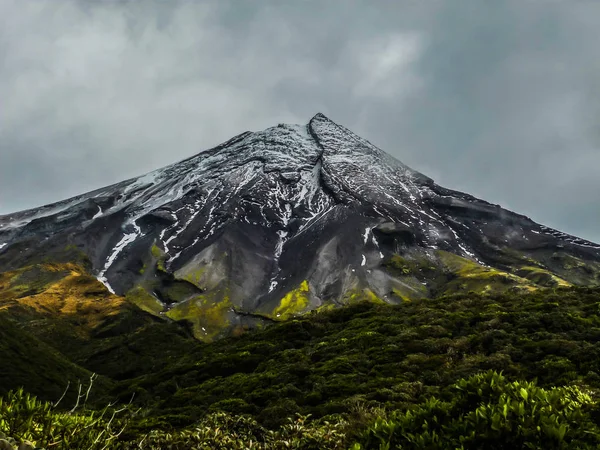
x=488, y=411
x=25, y=418
x=222, y=431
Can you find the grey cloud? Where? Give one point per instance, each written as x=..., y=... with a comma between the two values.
x=499, y=99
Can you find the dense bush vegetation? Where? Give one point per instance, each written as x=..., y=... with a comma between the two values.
x=467, y=371
x=380, y=355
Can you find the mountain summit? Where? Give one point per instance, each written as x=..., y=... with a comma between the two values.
x=296, y=217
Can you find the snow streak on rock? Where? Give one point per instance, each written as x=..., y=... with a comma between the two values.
x=98, y=214
x=123, y=243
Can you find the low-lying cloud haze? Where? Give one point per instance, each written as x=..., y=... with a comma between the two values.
x=500, y=99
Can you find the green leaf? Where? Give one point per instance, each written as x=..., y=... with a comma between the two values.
x=524, y=393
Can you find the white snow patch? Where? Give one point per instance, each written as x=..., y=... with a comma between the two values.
x=99, y=213
x=364, y=261
x=104, y=281
x=412, y=197
x=464, y=249
x=430, y=216
x=124, y=242
x=374, y=240
x=184, y=227
x=177, y=255
x=3, y=245
x=381, y=213
x=366, y=235
x=287, y=215
x=279, y=248
x=398, y=203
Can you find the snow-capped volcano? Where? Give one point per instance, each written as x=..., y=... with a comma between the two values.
x=311, y=207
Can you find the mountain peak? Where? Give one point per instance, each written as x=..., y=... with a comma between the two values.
x=320, y=117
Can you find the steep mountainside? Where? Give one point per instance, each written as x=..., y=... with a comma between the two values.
x=293, y=218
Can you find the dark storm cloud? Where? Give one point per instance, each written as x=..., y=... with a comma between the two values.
x=496, y=98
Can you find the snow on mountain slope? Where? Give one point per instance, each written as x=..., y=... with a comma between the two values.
x=253, y=219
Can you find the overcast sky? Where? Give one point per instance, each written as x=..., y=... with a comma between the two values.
x=500, y=99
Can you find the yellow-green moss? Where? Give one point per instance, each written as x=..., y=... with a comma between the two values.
x=207, y=313
x=471, y=276
x=398, y=263
x=576, y=270
x=156, y=251
x=398, y=293
x=541, y=276
x=178, y=291
x=325, y=307
x=35, y=279
x=61, y=292
x=416, y=266
x=293, y=303
x=359, y=295
x=160, y=256
x=459, y=265
x=372, y=297
x=143, y=300
x=195, y=277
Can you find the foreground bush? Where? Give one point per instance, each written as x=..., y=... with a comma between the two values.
x=222, y=431
x=483, y=411
x=488, y=411
x=24, y=418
